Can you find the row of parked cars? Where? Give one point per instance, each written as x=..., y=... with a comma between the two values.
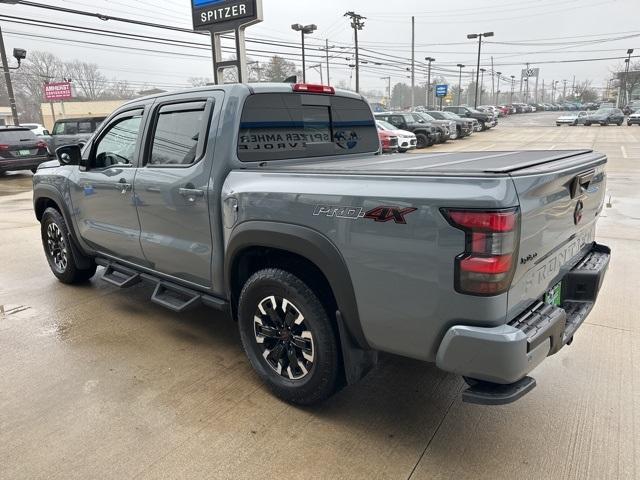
x=422, y=128
x=603, y=116
x=26, y=146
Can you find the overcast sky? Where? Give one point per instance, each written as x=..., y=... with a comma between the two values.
x=538, y=32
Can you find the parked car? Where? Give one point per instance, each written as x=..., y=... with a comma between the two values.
x=21, y=149
x=426, y=134
x=632, y=107
x=36, y=128
x=447, y=127
x=484, y=119
x=405, y=140
x=324, y=252
x=573, y=119
x=464, y=126
x=70, y=131
x=388, y=141
x=633, y=119
x=605, y=116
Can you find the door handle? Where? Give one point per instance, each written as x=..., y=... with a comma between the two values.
x=122, y=186
x=191, y=194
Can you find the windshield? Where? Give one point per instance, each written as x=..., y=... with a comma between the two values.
x=425, y=116
x=450, y=115
x=385, y=125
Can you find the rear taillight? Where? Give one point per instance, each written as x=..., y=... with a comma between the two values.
x=487, y=265
x=41, y=144
x=4, y=147
x=312, y=88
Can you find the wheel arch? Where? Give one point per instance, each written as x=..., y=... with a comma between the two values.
x=300, y=242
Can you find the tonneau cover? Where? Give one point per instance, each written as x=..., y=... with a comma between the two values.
x=455, y=163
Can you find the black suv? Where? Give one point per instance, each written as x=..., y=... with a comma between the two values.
x=20, y=149
x=466, y=112
x=426, y=134
x=465, y=126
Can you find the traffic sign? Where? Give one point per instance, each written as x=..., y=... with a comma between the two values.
x=441, y=90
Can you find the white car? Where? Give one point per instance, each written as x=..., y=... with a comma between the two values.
x=573, y=119
x=406, y=140
x=36, y=128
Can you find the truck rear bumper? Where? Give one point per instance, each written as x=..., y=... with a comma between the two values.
x=507, y=353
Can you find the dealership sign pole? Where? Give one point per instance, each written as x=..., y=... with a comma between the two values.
x=226, y=16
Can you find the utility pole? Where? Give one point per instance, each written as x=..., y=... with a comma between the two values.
x=513, y=86
x=326, y=49
x=388, y=79
x=479, y=36
x=564, y=90
x=626, y=77
x=357, y=24
x=493, y=72
x=573, y=88
x=413, y=62
x=482, y=70
x=460, y=66
x=498, y=88
x=542, y=90
x=429, y=60
x=7, y=79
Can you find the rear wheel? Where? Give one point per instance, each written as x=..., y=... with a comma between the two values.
x=57, y=248
x=290, y=340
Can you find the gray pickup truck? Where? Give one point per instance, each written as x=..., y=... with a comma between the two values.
x=271, y=202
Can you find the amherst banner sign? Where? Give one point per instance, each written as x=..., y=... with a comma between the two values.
x=225, y=15
x=57, y=91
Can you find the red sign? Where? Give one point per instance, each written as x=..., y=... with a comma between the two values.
x=57, y=91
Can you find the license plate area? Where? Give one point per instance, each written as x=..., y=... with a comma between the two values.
x=553, y=296
x=24, y=153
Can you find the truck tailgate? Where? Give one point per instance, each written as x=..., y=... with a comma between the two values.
x=560, y=202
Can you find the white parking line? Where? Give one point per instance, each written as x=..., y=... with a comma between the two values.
x=624, y=151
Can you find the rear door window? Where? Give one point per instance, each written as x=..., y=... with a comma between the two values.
x=12, y=137
x=278, y=126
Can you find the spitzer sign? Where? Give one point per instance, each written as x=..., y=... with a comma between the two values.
x=224, y=15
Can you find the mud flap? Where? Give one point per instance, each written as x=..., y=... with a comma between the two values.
x=357, y=362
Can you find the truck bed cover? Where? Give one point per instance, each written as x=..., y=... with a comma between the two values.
x=453, y=163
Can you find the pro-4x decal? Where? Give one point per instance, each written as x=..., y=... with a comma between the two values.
x=380, y=214
x=386, y=214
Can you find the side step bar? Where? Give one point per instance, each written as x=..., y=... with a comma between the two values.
x=487, y=393
x=166, y=294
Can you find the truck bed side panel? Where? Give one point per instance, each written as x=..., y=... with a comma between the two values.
x=402, y=273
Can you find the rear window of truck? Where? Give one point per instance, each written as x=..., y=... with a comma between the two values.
x=280, y=126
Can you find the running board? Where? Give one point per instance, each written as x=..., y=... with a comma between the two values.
x=487, y=393
x=166, y=293
x=173, y=297
x=120, y=276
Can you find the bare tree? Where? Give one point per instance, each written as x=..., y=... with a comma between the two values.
x=89, y=81
x=627, y=83
x=199, y=81
x=119, y=90
x=585, y=92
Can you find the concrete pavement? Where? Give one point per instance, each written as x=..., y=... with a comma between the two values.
x=101, y=383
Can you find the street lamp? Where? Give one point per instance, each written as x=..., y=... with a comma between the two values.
x=304, y=30
x=498, y=88
x=479, y=36
x=482, y=70
x=626, y=75
x=429, y=60
x=460, y=66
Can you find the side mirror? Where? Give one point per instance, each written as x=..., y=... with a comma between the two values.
x=46, y=133
x=69, y=155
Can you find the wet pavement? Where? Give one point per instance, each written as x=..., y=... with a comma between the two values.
x=101, y=383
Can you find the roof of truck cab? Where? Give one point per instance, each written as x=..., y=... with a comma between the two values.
x=243, y=89
x=454, y=163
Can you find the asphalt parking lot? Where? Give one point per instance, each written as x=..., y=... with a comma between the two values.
x=101, y=383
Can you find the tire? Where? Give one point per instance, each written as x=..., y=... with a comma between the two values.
x=459, y=130
x=265, y=330
x=34, y=170
x=422, y=140
x=587, y=124
x=483, y=126
x=57, y=248
x=619, y=124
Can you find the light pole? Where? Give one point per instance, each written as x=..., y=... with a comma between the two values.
x=498, y=88
x=482, y=70
x=388, y=79
x=626, y=76
x=460, y=66
x=429, y=60
x=513, y=86
x=304, y=30
x=479, y=36
x=564, y=90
